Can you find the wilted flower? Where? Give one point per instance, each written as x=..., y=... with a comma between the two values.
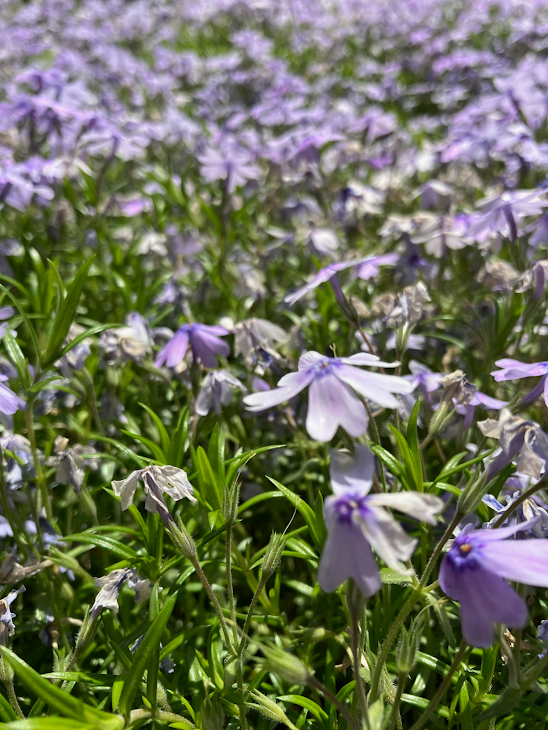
x=473, y=572
x=157, y=480
x=332, y=402
x=253, y=338
x=516, y=435
x=216, y=391
x=111, y=585
x=356, y=520
x=516, y=370
x=204, y=343
x=9, y=402
x=527, y=510
x=130, y=342
x=7, y=627
x=69, y=462
x=76, y=357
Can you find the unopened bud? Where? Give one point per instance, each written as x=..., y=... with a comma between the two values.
x=268, y=708
x=183, y=540
x=406, y=652
x=287, y=666
x=231, y=498
x=273, y=554
x=354, y=598
x=86, y=633
x=471, y=495
x=212, y=715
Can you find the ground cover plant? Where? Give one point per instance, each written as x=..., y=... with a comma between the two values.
x=273, y=398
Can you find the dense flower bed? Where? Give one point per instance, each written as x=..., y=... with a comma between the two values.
x=273, y=397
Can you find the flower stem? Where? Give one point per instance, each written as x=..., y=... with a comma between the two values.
x=37, y=465
x=245, y=635
x=443, y=686
x=519, y=501
x=397, y=699
x=356, y=660
x=343, y=709
x=215, y=603
x=406, y=609
x=14, y=702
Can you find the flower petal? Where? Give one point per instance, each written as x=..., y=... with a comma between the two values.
x=269, y=398
x=365, y=358
x=423, y=507
x=352, y=472
x=388, y=538
x=125, y=488
x=525, y=561
x=175, y=350
x=347, y=554
x=374, y=386
x=9, y=401
x=330, y=405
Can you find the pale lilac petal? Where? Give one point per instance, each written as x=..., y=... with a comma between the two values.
x=330, y=405
x=364, y=358
x=175, y=350
x=310, y=358
x=347, y=554
x=352, y=472
x=216, y=329
x=525, y=561
x=388, y=538
x=205, y=347
x=374, y=386
x=546, y=391
x=423, y=507
x=9, y=402
x=267, y=399
x=494, y=404
x=501, y=533
x=321, y=277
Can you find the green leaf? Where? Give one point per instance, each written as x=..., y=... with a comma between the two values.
x=49, y=723
x=59, y=701
x=306, y=511
x=164, y=436
x=177, y=444
x=216, y=453
x=392, y=577
x=209, y=485
x=66, y=313
x=109, y=543
x=320, y=522
x=312, y=707
x=18, y=359
x=504, y=704
x=388, y=460
x=143, y=655
x=155, y=449
x=413, y=441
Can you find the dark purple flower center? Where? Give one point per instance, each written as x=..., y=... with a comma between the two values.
x=463, y=555
x=349, y=505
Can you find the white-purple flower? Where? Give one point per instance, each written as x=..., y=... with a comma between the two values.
x=9, y=402
x=332, y=401
x=204, y=342
x=216, y=391
x=516, y=370
x=357, y=521
x=474, y=570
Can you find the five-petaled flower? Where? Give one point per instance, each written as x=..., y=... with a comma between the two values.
x=473, y=572
x=204, y=343
x=331, y=401
x=357, y=521
x=516, y=370
x=158, y=480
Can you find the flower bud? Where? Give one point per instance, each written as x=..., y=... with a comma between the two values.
x=406, y=652
x=85, y=635
x=273, y=554
x=183, y=540
x=354, y=598
x=471, y=495
x=231, y=498
x=269, y=708
x=287, y=666
x=212, y=715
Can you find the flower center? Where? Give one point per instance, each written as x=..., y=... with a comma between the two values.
x=465, y=548
x=348, y=506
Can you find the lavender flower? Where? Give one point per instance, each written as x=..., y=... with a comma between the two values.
x=516, y=370
x=525, y=512
x=356, y=521
x=204, y=343
x=7, y=627
x=216, y=391
x=111, y=585
x=498, y=214
x=9, y=402
x=332, y=402
x=158, y=480
x=473, y=572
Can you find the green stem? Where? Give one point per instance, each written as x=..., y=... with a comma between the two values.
x=229, y=583
x=213, y=598
x=14, y=702
x=356, y=660
x=37, y=465
x=245, y=636
x=407, y=607
x=519, y=501
x=443, y=686
x=397, y=699
x=343, y=709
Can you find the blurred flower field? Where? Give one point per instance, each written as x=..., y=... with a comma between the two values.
x=273, y=387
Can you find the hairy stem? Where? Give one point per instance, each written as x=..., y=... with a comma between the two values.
x=215, y=603
x=343, y=709
x=356, y=660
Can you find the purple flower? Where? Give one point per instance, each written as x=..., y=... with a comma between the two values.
x=9, y=402
x=368, y=267
x=216, y=391
x=498, y=214
x=516, y=370
x=332, y=402
x=473, y=573
x=233, y=165
x=204, y=343
x=479, y=399
x=356, y=521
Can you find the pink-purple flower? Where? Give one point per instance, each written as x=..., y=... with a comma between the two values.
x=516, y=370
x=474, y=570
x=332, y=401
x=357, y=521
x=9, y=402
x=204, y=343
